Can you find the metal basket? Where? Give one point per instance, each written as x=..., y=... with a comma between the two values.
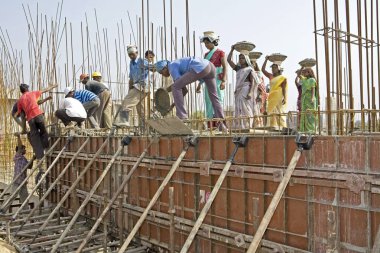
x=244, y=45
x=308, y=63
x=162, y=101
x=255, y=55
x=277, y=57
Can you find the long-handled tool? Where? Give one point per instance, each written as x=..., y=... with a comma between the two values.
x=52, y=185
x=124, y=142
x=9, y=200
x=303, y=143
x=72, y=187
x=240, y=141
x=190, y=141
x=114, y=198
x=41, y=180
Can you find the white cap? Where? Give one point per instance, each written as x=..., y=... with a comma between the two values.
x=68, y=89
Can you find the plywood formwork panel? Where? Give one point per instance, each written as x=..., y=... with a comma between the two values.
x=274, y=151
x=352, y=153
x=248, y=184
x=323, y=153
x=374, y=154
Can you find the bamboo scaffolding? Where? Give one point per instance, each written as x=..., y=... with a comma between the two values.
x=88, y=197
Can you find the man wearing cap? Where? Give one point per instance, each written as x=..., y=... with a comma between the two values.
x=89, y=101
x=138, y=86
x=71, y=110
x=35, y=117
x=103, y=114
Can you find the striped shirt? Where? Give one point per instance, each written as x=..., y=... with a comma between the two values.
x=84, y=96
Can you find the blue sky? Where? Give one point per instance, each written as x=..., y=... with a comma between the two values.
x=274, y=26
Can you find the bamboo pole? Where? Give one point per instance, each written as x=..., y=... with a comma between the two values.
x=16, y=178
x=87, y=199
x=114, y=198
x=42, y=178
x=72, y=187
x=153, y=200
x=6, y=204
x=273, y=204
x=211, y=199
x=56, y=181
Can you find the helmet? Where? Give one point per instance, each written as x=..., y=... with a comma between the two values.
x=83, y=76
x=96, y=74
x=68, y=90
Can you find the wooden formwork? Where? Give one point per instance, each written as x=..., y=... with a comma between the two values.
x=332, y=201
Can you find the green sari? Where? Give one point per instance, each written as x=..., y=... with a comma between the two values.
x=309, y=117
x=208, y=104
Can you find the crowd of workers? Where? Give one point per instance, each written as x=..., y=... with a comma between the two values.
x=252, y=98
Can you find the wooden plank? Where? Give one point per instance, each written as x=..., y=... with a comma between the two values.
x=169, y=126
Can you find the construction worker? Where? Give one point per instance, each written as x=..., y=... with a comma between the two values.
x=103, y=114
x=35, y=117
x=89, y=101
x=71, y=110
x=21, y=119
x=185, y=71
x=20, y=163
x=138, y=86
x=153, y=76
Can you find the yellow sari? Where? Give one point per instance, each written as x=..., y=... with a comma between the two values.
x=275, y=105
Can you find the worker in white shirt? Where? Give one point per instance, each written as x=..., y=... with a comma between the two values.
x=71, y=111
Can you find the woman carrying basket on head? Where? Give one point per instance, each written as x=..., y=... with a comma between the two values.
x=277, y=95
x=245, y=91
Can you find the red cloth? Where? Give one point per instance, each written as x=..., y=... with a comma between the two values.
x=28, y=104
x=216, y=58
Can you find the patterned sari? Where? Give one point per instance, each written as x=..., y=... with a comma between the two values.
x=309, y=118
x=244, y=107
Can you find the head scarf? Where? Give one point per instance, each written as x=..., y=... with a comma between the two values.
x=278, y=63
x=160, y=65
x=131, y=49
x=247, y=60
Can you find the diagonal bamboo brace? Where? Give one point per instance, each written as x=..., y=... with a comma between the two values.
x=7, y=203
x=52, y=185
x=190, y=141
x=302, y=144
x=26, y=201
x=71, y=189
x=114, y=198
x=239, y=142
x=125, y=141
x=17, y=177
